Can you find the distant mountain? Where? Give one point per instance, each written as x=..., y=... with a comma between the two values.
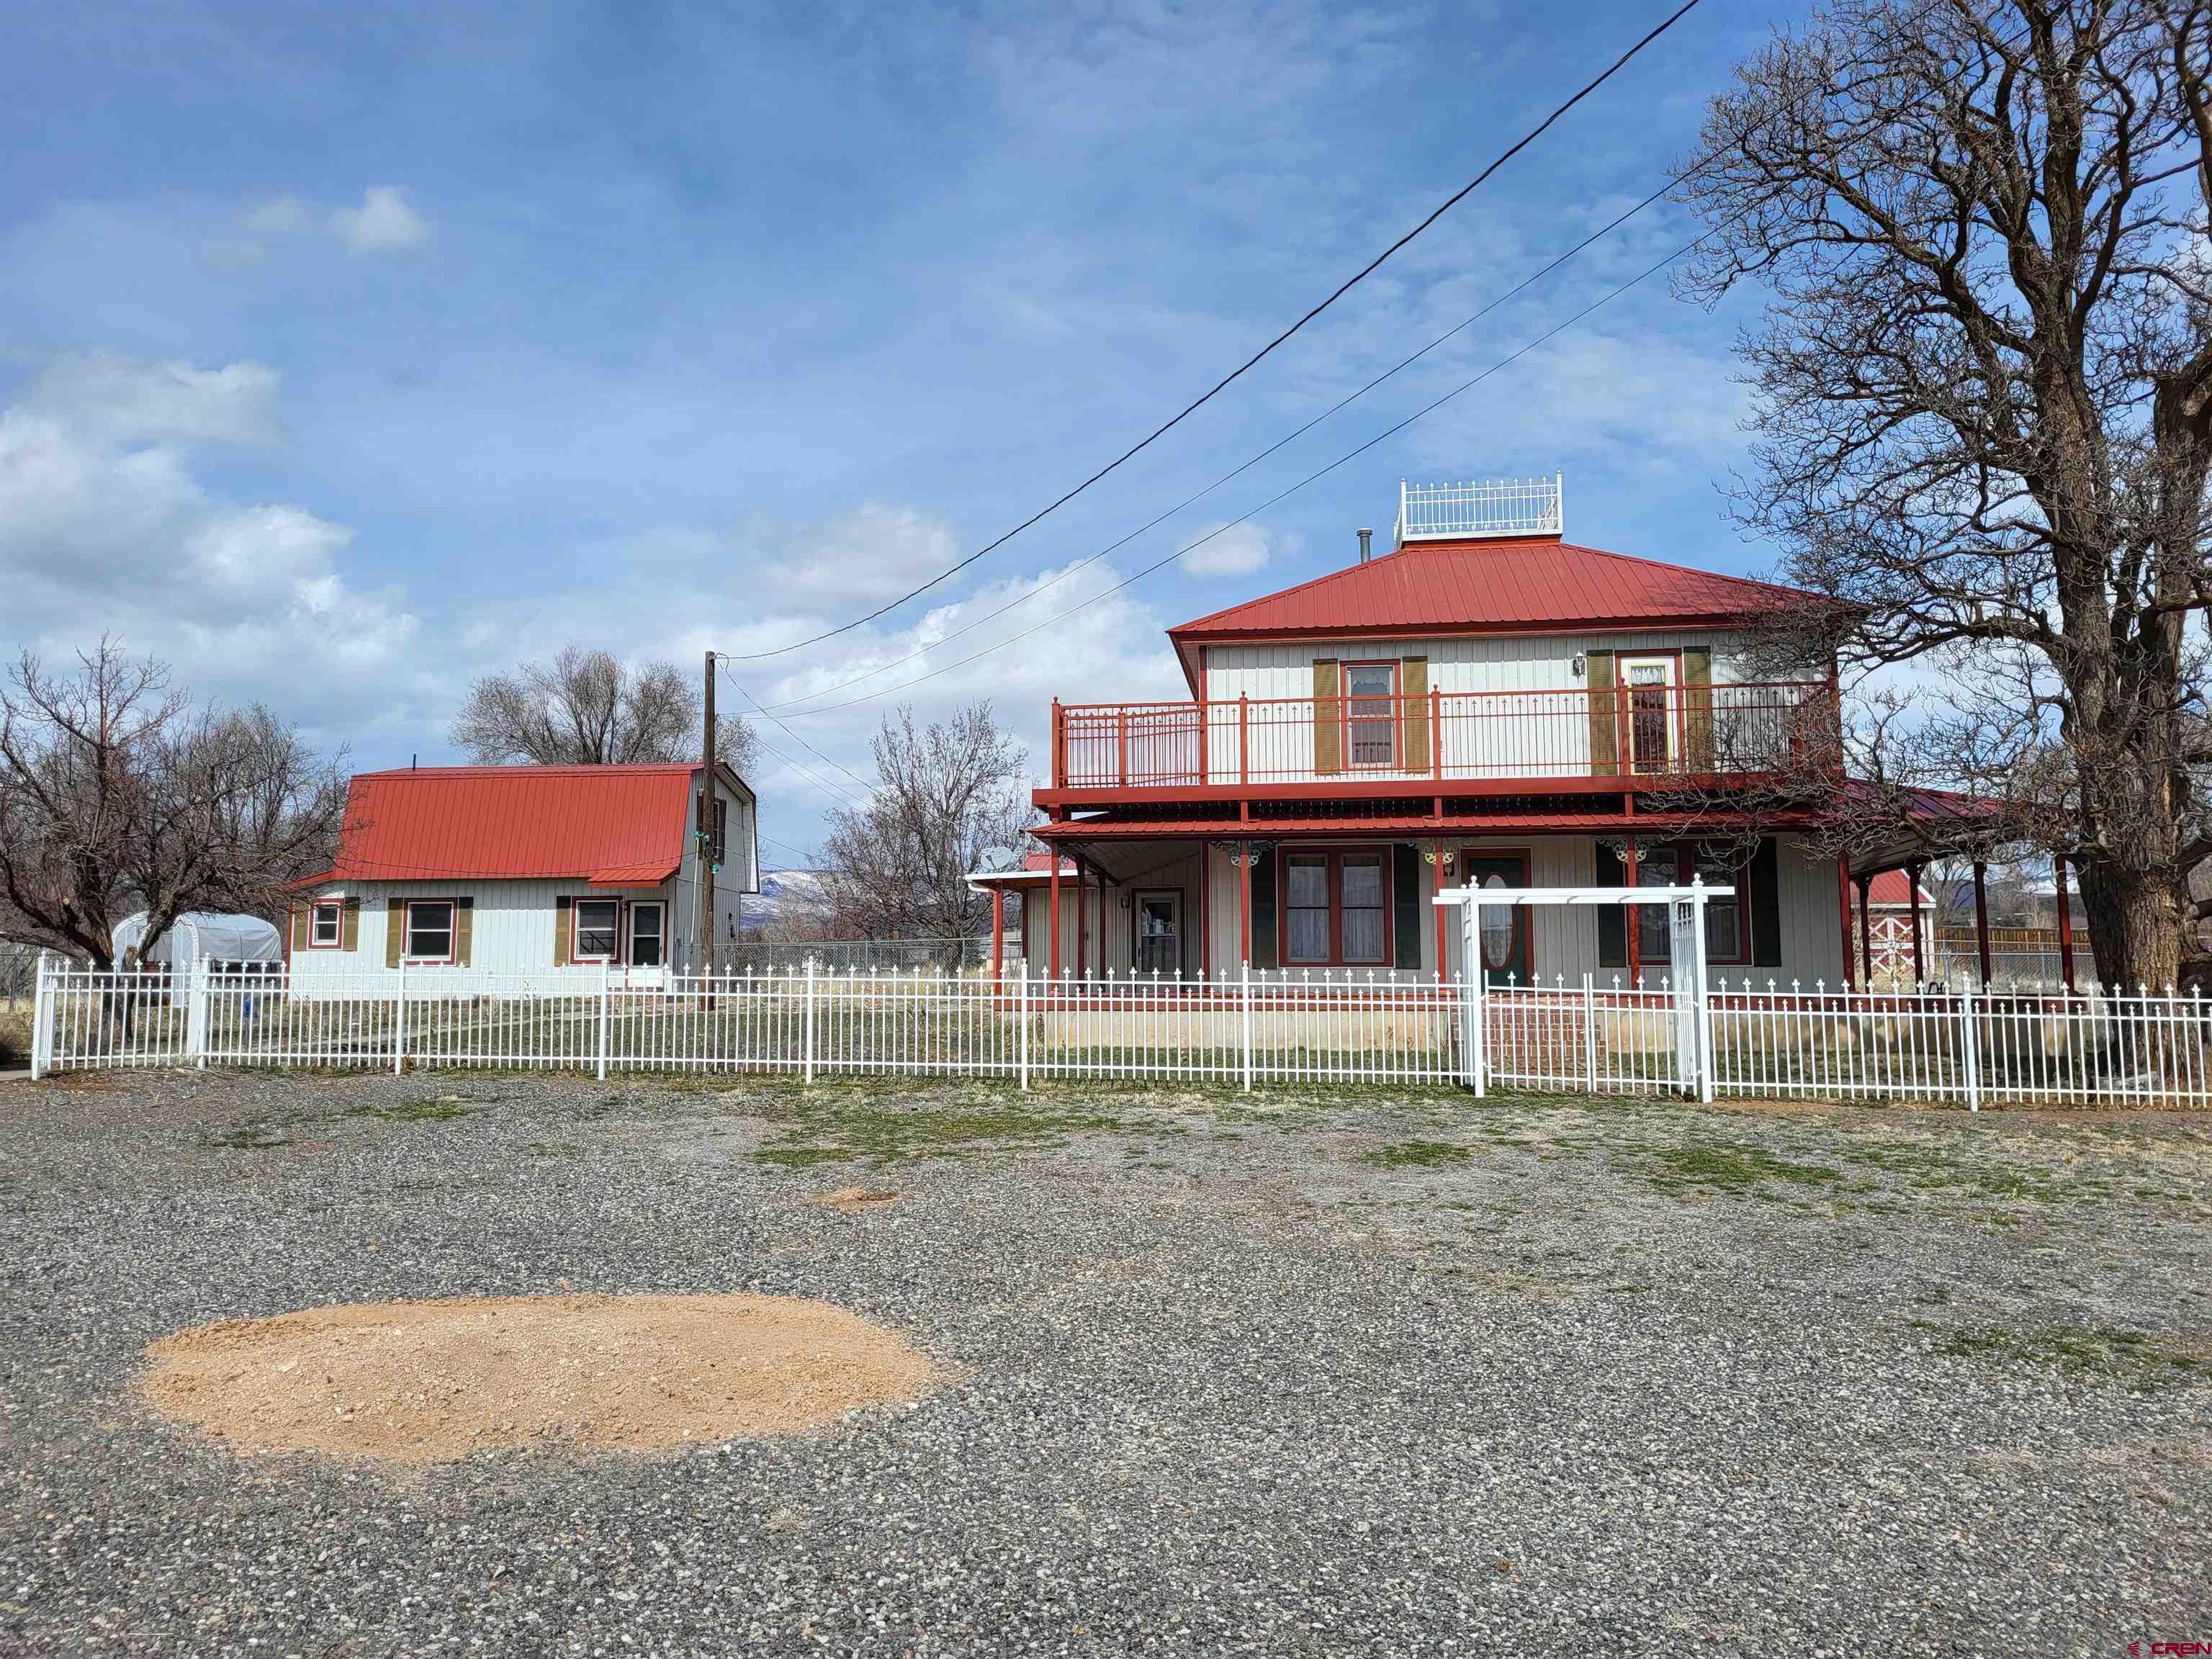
x=786, y=896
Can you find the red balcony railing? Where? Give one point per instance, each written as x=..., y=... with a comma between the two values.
x=1627, y=731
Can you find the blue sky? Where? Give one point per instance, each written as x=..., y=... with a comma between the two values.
x=346, y=357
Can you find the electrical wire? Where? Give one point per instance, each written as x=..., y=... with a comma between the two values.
x=716, y=658
x=1388, y=431
x=1153, y=523
x=1191, y=407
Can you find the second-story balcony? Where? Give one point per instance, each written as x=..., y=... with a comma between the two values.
x=1626, y=733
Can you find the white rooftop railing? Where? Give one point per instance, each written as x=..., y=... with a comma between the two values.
x=1488, y=507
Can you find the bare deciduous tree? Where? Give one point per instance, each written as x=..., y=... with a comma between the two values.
x=1985, y=404
x=945, y=796
x=116, y=794
x=587, y=709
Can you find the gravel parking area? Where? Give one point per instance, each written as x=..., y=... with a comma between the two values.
x=1288, y=1373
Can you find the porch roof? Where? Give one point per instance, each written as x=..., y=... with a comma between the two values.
x=1409, y=826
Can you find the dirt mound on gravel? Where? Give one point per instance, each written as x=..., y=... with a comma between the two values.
x=429, y=1381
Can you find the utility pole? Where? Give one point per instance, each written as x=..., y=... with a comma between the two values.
x=709, y=797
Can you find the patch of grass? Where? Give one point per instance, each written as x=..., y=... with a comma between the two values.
x=1717, y=1167
x=839, y=1129
x=2114, y=1352
x=428, y=1109
x=246, y=1138
x=1416, y=1155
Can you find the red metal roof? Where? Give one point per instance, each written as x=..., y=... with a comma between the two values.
x=1523, y=584
x=1894, y=887
x=610, y=825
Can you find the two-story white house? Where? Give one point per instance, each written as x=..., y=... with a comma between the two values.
x=1485, y=702
x=551, y=872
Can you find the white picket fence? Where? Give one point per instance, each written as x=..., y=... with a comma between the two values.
x=1964, y=1045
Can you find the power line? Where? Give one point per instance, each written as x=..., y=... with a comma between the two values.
x=1388, y=431
x=1191, y=407
x=1180, y=552
x=810, y=777
x=793, y=736
x=1290, y=437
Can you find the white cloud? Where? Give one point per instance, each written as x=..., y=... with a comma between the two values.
x=382, y=223
x=1238, y=550
x=114, y=400
x=872, y=554
x=104, y=529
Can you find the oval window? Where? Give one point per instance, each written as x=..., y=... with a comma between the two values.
x=1496, y=930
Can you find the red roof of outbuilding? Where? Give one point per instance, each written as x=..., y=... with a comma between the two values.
x=1510, y=585
x=614, y=826
x=1894, y=887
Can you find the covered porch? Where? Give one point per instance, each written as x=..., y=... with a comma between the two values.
x=1349, y=899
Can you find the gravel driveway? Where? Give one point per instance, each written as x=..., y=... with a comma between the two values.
x=1272, y=1374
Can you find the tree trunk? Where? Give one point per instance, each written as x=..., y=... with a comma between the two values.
x=2134, y=926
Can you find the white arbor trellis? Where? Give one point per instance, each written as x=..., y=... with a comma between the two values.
x=1686, y=984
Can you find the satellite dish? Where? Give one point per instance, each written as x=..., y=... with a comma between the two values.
x=1000, y=861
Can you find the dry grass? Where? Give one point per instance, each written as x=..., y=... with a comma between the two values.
x=15, y=1032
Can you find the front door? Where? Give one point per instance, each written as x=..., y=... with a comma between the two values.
x=1501, y=930
x=648, y=937
x=1649, y=713
x=1159, y=933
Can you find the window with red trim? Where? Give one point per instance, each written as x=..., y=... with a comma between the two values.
x=1336, y=908
x=597, y=930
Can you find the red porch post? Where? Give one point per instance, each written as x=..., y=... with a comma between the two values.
x=2065, y=921
x=1244, y=901
x=1053, y=853
x=998, y=935
x=1919, y=968
x=1634, y=926
x=1865, y=932
x=1444, y=953
x=1982, y=920
x=1082, y=922
x=1844, y=901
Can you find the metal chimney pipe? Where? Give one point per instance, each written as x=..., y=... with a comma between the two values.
x=1366, y=538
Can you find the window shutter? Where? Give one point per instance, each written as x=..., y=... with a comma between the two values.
x=1264, y=950
x=1698, y=707
x=1406, y=904
x=1612, y=919
x=395, y=930
x=1328, y=720
x=1413, y=681
x=349, y=929
x=560, y=930
x=1604, y=737
x=1762, y=875
x=465, y=912
x=302, y=915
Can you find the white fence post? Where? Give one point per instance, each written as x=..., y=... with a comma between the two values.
x=1590, y=1032
x=1704, y=1018
x=196, y=1017
x=602, y=1019
x=1022, y=1008
x=1968, y=1052
x=42, y=1022
x=1247, y=1028
x=808, y=1064
x=1474, y=1062
x=400, y=1020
